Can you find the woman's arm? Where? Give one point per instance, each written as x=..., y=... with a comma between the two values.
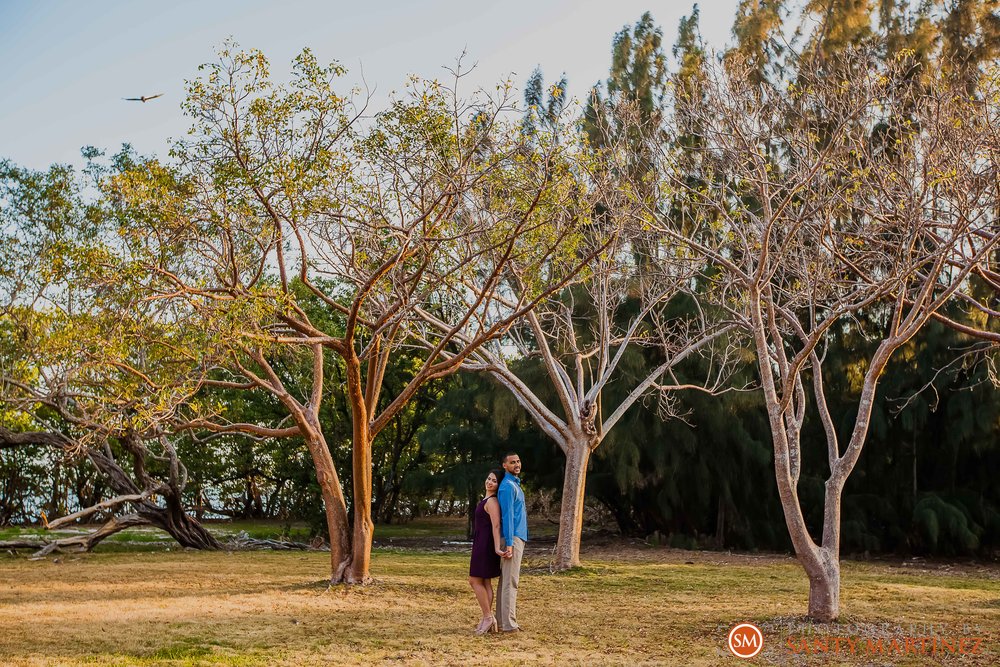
x=493, y=509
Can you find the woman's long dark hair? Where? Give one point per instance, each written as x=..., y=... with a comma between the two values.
x=498, y=473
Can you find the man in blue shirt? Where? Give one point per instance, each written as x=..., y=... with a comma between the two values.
x=514, y=532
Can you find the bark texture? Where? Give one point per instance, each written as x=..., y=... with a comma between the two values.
x=571, y=510
x=824, y=585
x=364, y=527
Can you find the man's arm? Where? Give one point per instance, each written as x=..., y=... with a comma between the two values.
x=505, y=495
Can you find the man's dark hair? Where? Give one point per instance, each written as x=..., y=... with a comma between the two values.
x=503, y=459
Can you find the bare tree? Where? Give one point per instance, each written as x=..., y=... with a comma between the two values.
x=284, y=194
x=836, y=191
x=979, y=298
x=626, y=301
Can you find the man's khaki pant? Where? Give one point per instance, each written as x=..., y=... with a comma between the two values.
x=510, y=572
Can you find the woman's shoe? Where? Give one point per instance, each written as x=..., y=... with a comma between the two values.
x=484, y=626
x=493, y=624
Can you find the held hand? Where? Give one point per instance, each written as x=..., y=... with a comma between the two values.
x=509, y=553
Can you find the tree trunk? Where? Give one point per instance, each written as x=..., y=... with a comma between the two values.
x=821, y=563
x=79, y=543
x=334, y=506
x=187, y=531
x=172, y=519
x=824, y=586
x=378, y=500
x=720, y=524
x=824, y=568
x=470, y=511
x=364, y=527
x=361, y=463
x=178, y=524
x=620, y=508
x=199, y=511
x=386, y=508
x=571, y=511
x=272, y=499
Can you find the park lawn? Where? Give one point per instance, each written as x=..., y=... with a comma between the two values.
x=134, y=539
x=627, y=606
x=422, y=531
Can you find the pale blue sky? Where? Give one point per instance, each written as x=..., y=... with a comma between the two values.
x=65, y=66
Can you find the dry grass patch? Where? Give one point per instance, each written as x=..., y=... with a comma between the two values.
x=627, y=607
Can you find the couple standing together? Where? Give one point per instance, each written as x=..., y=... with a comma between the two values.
x=499, y=531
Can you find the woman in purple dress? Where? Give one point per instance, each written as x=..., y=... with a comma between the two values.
x=485, y=563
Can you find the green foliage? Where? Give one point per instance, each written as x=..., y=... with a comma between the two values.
x=757, y=32
x=841, y=24
x=469, y=428
x=543, y=108
x=638, y=65
x=25, y=475
x=970, y=37
x=637, y=82
x=944, y=527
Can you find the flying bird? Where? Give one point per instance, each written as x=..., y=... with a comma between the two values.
x=144, y=98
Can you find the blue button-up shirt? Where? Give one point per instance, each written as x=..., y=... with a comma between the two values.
x=513, y=516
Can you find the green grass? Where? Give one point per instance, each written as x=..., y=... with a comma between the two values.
x=145, y=539
x=625, y=606
x=445, y=528
x=181, y=651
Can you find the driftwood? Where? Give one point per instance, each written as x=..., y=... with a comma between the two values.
x=82, y=543
x=243, y=542
x=107, y=504
x=14, y=545
x=77, y=543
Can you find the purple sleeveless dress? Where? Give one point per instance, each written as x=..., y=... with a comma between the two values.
x=485, y=562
